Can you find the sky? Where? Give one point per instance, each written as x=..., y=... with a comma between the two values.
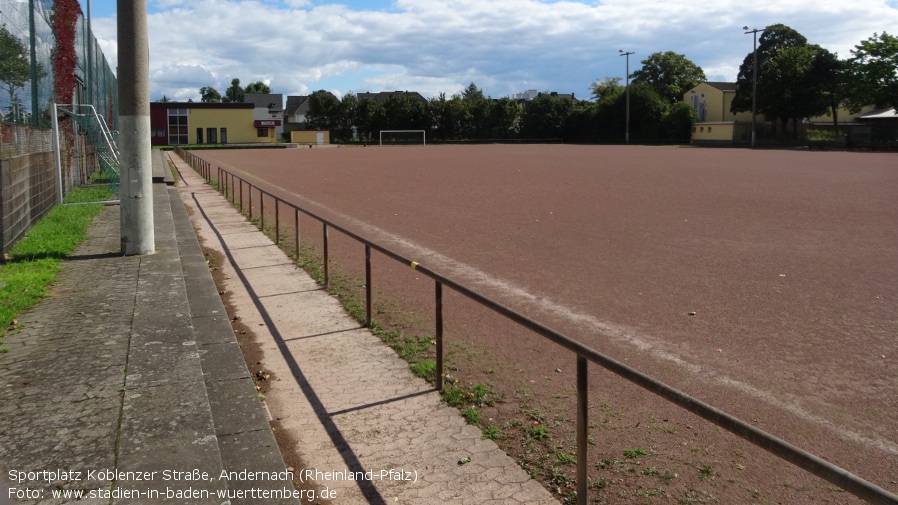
x=504, y=47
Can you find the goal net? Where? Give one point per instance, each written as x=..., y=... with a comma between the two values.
x=403, y=138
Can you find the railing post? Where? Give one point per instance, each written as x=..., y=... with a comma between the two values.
x=249, y=187
x=241, y=196
x=296, y=230
x=262, y=210
x=277, y=223
x=582, y=425
x=367, y=285
x=326, y=276
x=439, y=335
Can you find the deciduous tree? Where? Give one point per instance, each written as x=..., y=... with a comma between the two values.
x=234, y=93
x=875, y=66
x=258, y=88
x=208, y=94
x=669, y=74
x=15, y=68
x=324, y=111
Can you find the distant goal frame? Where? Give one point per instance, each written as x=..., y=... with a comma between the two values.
x=422, y=132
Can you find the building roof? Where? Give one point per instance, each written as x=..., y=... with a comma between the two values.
x=880, y=114
x=383, y=96
x=297, y=105
x=723, y=86
x=271, y=101
x=200, y=105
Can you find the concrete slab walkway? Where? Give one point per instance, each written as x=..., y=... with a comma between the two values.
x=126, y=383
x=367, y=429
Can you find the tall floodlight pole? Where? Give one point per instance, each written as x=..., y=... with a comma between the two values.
x=627, y=127
x=136, y=189
x=754, y=81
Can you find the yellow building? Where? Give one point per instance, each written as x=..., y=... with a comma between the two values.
x=193, y=123
x=310, y=137
x=714, y=123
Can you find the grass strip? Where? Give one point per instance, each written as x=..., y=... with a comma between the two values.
x=35, y=260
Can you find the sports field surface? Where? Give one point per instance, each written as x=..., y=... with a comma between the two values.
x=764, y=282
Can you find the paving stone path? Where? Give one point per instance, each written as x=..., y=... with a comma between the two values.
x=349, y=402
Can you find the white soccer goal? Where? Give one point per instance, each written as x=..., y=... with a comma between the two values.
x=403, y=137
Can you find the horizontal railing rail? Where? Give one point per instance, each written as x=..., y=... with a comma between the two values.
x=231, y=186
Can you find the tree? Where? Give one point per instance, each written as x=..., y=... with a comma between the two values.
x=504, y=118
x=476, y=111
x=348, y=110
x=874, y=63
x=208, y=94
x=669, y=74
x=370, y=118
x=446, y=116
x=15, y=68
x=406, y=113
x=257, y=88
x=546, y=116
x=789, y=90
x=677, y=124
x=234, y=93
x=607, y=88
x=776, y=84
x=324, y=111
x=831, y=80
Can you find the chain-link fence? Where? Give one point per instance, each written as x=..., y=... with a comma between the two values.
x=27, y=167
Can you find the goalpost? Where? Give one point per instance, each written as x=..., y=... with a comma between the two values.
x=403, y=137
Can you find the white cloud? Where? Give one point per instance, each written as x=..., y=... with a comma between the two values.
x=504, y=46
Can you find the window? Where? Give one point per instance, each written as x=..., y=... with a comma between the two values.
x=199, y=135
x=177, y=127
x=709, y=129
x=701, y=129
x=224, y=135
x=261, y=132
x=211, y=136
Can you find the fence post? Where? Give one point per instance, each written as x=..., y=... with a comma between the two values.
x=277, y=223
x=326, y=276
x=296, y=236
x=439, y=334
x=2, y=218
x=367, y=285
x=582, y=425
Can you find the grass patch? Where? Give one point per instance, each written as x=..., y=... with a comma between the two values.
x=425, y=369
x=491, y=432
x=471, y=415
x=35, y=260
x=634, y=453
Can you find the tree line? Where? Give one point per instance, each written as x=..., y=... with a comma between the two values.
x=795, y=80
x=472, y=116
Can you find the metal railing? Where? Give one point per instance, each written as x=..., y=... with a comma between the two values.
x=231, y=186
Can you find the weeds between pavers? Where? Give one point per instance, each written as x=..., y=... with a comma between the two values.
x=34, y=261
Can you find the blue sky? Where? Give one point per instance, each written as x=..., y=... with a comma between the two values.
x=432, y=46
